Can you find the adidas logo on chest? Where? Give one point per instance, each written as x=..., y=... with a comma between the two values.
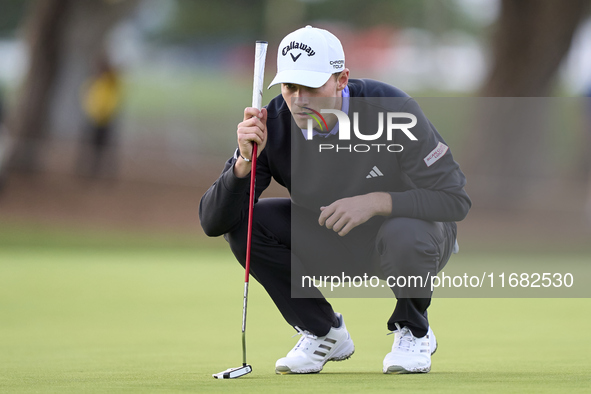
x=375, y=173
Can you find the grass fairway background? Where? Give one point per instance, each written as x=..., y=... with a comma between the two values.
x=158, y=317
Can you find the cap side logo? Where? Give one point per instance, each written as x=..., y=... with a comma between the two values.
x=294, y=58
x=337, y=64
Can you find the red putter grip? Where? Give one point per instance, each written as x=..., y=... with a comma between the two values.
x=250, y=210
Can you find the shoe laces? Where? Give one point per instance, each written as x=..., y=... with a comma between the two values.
x=306, y=336
x=404, y=340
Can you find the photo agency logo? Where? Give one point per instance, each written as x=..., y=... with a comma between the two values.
x=391, y=119
x=317, y=117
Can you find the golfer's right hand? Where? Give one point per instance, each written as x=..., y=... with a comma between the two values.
x=252, y=129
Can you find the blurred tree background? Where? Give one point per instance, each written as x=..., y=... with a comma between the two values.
x=64, y=37
x=186, y=71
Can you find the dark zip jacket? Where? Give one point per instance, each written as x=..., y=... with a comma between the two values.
x=423, y=179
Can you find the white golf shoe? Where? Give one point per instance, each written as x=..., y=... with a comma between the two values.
x=311, y=352
x=410, y=354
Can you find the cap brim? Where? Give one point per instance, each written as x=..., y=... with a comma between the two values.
x=311, y=79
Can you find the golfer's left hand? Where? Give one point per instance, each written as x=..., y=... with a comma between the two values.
x=345, y=214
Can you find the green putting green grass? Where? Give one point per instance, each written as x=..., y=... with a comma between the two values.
x=156, y=319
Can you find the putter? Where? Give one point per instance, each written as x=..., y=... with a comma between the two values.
x=257, y=98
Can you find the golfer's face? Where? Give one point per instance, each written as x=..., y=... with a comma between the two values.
x=299, y=97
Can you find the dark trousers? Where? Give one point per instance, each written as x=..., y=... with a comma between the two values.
x=383, y=247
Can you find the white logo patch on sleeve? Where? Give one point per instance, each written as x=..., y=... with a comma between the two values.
x=436, y=154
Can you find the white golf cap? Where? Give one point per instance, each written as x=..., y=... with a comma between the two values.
x=308, y=57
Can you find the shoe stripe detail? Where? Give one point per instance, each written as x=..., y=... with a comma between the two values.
x=318, y=353
x=324, y=347
x=329, y=340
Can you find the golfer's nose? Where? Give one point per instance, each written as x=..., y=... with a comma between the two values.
x=301, y=99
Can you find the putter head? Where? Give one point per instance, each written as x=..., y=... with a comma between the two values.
x=233, y=373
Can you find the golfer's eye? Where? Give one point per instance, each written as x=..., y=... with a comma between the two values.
x=289, y=86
